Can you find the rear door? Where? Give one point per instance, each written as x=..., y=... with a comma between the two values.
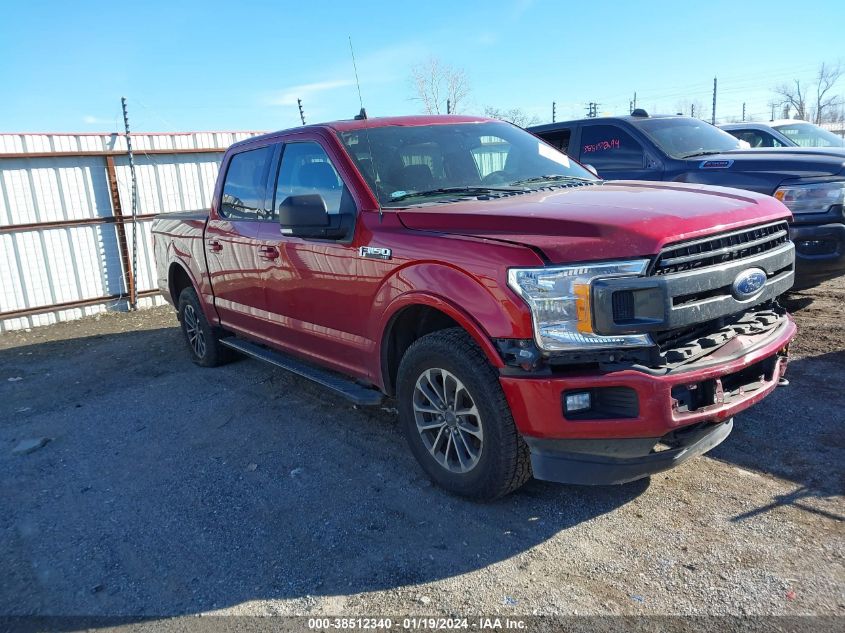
x=616, y=154
x=233, y=241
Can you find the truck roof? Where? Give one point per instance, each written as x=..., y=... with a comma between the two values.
x=626, y=117
x=349, y=125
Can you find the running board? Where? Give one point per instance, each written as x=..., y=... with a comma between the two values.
x=342, y=386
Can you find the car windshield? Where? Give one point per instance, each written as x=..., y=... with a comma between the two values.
x=685, y=137
x=420, y=164
x=809, y=135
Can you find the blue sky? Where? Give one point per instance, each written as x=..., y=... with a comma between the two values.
x=240, y=65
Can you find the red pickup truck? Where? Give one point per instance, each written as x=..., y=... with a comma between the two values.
x=528, y=317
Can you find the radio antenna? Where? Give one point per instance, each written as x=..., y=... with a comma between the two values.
x=357, y=83
x=362, y=115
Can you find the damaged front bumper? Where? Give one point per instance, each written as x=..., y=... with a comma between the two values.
x=644, y=421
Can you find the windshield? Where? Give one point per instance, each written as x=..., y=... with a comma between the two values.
x=406, y=165
x=809, y=135
x=685, y=137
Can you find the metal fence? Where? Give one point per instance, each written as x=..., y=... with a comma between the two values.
x=66, y=229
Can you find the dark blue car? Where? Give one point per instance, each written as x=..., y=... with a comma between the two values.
x=683, y=149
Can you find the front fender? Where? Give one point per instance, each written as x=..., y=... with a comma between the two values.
x=478, y=304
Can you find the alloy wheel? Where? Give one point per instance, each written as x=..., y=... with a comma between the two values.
x=448, y=420
x=193, y=330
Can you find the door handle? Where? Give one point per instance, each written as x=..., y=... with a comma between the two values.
x=268, y=252
x=214, y=246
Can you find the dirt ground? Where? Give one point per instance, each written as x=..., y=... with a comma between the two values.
x=169, y=489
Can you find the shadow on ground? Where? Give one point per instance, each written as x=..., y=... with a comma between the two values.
x=796, y=433
x=169, y=489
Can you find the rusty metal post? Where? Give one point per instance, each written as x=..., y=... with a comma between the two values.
x=120, y=227
x=133, y=296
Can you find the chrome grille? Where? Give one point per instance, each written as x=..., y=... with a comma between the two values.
x=718, y=249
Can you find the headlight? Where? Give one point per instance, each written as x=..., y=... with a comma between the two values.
x=817, y=198
x=559, y=299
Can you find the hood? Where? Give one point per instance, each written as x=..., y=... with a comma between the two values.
x=764, y=169
x=608, y=221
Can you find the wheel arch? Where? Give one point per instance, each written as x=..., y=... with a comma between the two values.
x=416, y=315
x=179, y=277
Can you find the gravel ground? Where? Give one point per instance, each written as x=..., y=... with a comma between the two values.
x=169, y=489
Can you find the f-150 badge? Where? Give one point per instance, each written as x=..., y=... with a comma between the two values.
x=373, y=252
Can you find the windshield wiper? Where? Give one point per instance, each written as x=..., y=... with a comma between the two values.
x=442, y=190
x=553, y=178
x=706, y=152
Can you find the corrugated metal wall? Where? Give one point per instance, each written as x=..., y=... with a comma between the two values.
x=59, y=241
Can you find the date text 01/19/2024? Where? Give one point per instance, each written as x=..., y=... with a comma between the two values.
x=416, y=623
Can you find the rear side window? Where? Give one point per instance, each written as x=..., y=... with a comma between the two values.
x=610, y=147
x=245, y=185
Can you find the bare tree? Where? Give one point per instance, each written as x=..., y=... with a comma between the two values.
x=812, y=101
x=794, y=97
x=825, y=80
x=437, y=83
x=692, y=107
x=517, y=116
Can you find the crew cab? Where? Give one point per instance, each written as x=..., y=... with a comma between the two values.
x=810, y=181
x=527, y=317
x=785, y=133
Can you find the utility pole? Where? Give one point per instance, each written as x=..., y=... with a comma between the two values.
x=635, y=101
x=692, y=110
x=301, y=111
x=713, y=116
x=743, y=110
x=554, y=111
x=133, y=294
x=448, y=106
x=630, y=107
x=592, y=109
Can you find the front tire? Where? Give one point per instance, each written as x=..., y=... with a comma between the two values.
x=203, y=340
x=456, y=419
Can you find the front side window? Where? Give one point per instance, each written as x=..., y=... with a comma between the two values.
x=609, y=147
x=245, y=185
x=406, y=165
x=757, y=138
x=559, y=139
x=809, y=135
x=307, y=169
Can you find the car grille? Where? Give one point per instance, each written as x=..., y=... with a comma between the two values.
x=720, y=249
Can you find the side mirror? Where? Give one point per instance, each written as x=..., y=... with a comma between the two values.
x=306, y=216
x=591, y=169
x=303, y=212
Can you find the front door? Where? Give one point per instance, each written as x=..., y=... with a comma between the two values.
x=310, y=288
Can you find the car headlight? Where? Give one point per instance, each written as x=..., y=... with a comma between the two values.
x=559, y=299
x=815, y=198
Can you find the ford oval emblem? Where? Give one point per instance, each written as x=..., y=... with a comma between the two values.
x=748, y=283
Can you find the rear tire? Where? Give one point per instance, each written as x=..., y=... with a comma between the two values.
x=456, y=419
x=203, y=340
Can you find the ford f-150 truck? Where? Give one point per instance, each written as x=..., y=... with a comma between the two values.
x=526, y=316
x=810, y=181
